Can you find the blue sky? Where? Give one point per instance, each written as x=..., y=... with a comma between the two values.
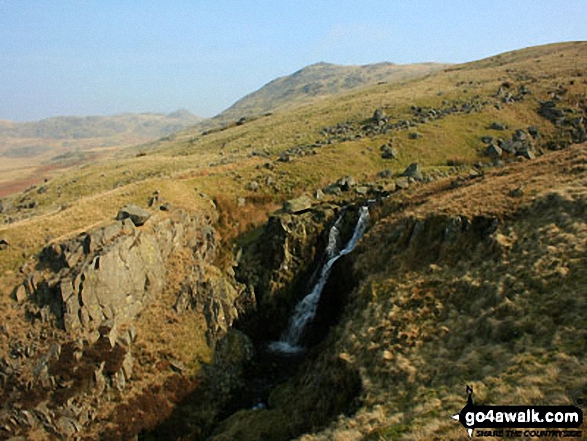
x=88, y=57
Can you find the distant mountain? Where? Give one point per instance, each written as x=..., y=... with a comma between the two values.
x=144, y=125
x=319, y=80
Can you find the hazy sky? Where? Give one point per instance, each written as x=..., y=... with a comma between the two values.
x=86, y=57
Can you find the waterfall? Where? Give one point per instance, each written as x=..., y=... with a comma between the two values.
x=305, y=310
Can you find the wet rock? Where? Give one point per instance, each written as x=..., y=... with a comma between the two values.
x=137, y=215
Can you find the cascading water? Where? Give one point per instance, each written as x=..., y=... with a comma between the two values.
x=305, y=310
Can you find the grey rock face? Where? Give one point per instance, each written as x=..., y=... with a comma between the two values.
x=137, y=215
x=413, y=171
x=297, y=205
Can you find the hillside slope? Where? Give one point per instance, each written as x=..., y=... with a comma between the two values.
x=472, y=272
x=320, y=80
x=31, y=151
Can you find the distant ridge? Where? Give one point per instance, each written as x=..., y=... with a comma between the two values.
x=147, y=125
x=319, y=80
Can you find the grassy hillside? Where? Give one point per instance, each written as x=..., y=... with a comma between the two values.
x=32, y=151
x=498, y=309
x=320, y=80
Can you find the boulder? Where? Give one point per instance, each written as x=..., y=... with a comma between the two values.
x=493, y=151
x=388, y=152
x=346, y=183
x=332, y=189
x=402, y=183
x=534, y=132
x=252, y=186
x=379, y=116
x=498, y=126
x=413, y=171
x=297, y=205
x=137, y=215
x=385, y=174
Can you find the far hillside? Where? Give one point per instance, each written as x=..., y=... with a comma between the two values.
x=317, y=81
x=34, y=150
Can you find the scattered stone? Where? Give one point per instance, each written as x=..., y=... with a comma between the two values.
x=493, y=151
x=517, y=192
x=487, y=139
x=346, y=183
x=297, y=205
x=520, y=135
x=252, y=186
x=414, y=135
x=508, y=146
x=534, y=132
x=413, y=171
x=402, y=183
x=3, y=243
x=319, y=195
x=165, y=207
x=241, y=202
x=385, y=174
x=498, y=126
x=137, y=215
x=20, y=294
x=379, y=116
x=154, y=198
x=526, y=152
x=333, y=190
x=362, y=190
x=177, y=366
x=388, y=152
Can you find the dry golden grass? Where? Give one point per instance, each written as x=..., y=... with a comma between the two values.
x=505, y=317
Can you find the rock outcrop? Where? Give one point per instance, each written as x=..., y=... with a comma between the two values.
x=93, y=287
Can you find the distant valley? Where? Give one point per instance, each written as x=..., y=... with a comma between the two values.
x=31, y=151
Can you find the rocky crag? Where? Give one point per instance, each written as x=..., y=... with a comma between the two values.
x=93, y=287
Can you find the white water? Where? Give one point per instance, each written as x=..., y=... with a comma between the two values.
x=305, y=310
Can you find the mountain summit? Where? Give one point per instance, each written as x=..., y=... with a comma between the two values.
x=319, y=80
